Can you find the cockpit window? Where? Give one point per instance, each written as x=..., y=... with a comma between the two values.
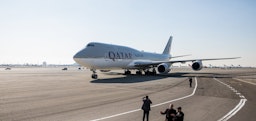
x=90, y=45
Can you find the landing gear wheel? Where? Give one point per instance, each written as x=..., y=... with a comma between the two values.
x=138, y=72
x=94, y=76
x=147, y=72
x=150, y=72
x=154, y=72
x=127, y=72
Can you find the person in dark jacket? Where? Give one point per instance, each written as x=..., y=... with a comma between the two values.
x=146, y=107
x=179, y=115
x=170, y=113
x=190, y=82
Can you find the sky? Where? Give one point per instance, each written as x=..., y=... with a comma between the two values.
x=34, y=31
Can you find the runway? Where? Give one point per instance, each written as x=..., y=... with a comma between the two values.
x=46, y=94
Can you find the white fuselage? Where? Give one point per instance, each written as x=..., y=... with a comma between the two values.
x=107, y=56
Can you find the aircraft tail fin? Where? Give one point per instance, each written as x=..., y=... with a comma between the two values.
x=168, y=46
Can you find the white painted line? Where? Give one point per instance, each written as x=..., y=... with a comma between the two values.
x=238, y=106
x=179, y=98
x=242, y=97
x=244, y=81
x=99, y=119
x=234, y=111
x=224, y=118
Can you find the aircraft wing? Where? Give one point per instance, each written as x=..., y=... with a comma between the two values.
x=208, y=59
x=179, y=56
x=154, y=64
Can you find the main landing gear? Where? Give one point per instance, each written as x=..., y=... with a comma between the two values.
x=127, y=72
x=139, y=72
x=148, y=72
x=151, y=71
x=94, y=75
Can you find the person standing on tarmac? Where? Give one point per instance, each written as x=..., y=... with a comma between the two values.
x=146, y=107
x=190, y=82
x=179, y=115
x=170, y=113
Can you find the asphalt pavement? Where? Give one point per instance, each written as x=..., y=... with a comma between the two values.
x=33, y=94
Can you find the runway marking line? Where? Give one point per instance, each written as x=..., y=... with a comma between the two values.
x=244, y=81
x=238, y=106
x=151, y=106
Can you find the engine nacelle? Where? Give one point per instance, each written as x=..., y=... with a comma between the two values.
x=197, y=65
x=163, y=68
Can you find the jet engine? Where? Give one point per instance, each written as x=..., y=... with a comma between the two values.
x=197, y=65
x=163, y=68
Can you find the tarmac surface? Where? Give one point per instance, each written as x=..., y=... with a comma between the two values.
x=52, y=94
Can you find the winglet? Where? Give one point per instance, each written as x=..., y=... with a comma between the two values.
x=168, y=46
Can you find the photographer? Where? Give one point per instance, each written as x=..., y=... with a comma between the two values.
x=170, y=113
x=146, y=107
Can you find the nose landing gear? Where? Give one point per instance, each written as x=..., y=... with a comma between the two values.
x=94, y=75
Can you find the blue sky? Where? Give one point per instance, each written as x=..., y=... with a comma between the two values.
x=33, y=31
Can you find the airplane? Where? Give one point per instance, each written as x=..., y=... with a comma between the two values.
x=106, y=57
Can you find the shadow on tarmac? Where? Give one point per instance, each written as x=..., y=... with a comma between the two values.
x=140, y=78
x=129, y=79
x=133, y=78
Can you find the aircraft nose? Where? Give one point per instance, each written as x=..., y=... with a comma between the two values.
x=78, y=54
x=77, y=57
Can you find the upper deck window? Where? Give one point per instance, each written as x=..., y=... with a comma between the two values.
x=90, y=45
